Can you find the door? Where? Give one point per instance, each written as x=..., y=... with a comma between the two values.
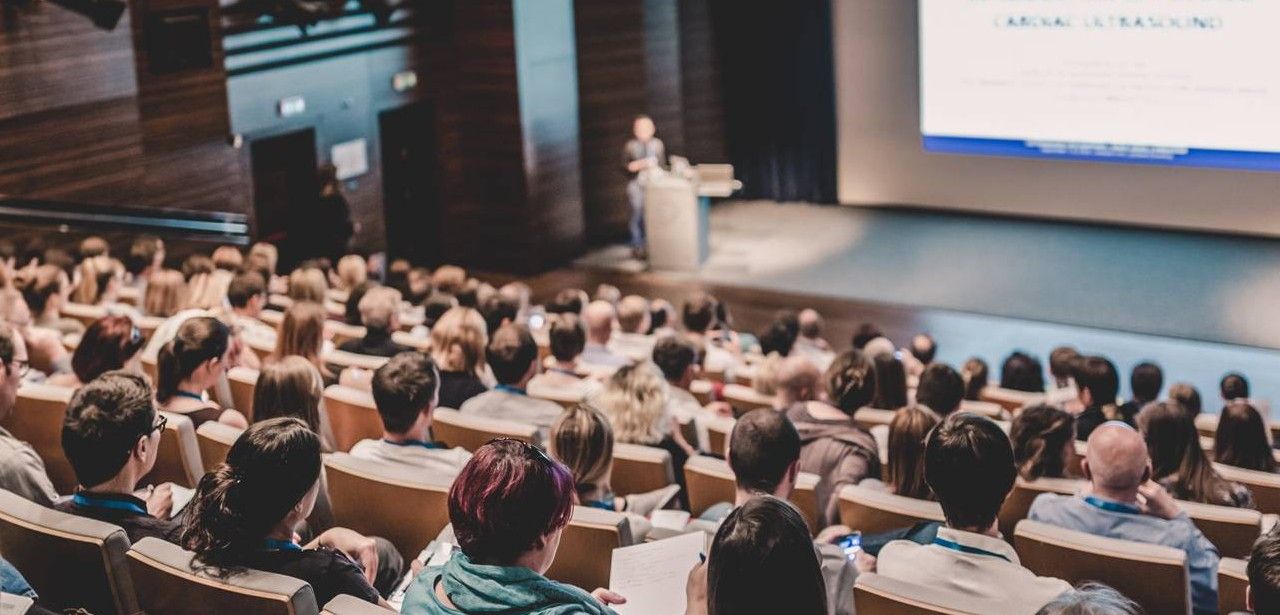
x=284, y=186
x=411, y=183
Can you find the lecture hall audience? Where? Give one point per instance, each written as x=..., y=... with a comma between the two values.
x=22, y=471
x=1178, y=462
x=1242, y=439
x=191, y=364
x=513, y=357
x=1044, y=442
x=458, y=342
x=406, y=390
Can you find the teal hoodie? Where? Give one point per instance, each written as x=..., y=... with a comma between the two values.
x=477, y=589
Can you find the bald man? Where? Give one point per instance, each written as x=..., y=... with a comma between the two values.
x=1123, y=502
x=631, y=339
x=798, y=380
x=810, y=343
x=598, y=319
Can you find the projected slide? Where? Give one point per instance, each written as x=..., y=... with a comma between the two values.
x=1180, y=82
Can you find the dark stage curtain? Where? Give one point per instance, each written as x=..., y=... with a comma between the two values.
x=778, y=75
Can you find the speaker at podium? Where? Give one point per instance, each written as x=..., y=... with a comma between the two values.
x=677, y=207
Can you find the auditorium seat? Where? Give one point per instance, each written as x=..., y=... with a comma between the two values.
x=988, y=409
x=867, y=418
x=148, y=325
x=407, y=507
x=566, y=398
x=710, y=481
x=416, y=342
x=350, y=605
x=167, y=582
x=1152, y=575
x=805, y=497
x=86, y=314
x=271, y=317
x=1232, y=530
x=702, y=390
x=640, y=469
x=1018, y=503
x=352, y=416
x=586, y=547
x=70, y=561
x=719, y=428
x=37, y=420
x=472, y=432
x=872, y=511
x=745, y=399
x=1010, y=399
x=1207, y=424
x=214, y=440
x=876, y=594
x=1233, y=579
x=343, y=332
x=149, y=368
x=178, y=456
x=341, y=360
x=280, y=302
x=1264, y=485
x=242, y=381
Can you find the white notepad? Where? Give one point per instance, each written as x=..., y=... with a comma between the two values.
x=652, y=576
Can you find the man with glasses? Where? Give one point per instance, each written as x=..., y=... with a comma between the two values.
x=21, y=469
x=111, y=436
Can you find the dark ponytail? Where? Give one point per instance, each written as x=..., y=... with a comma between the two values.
x=197, y=340
x=850, y=381
x=268, y=470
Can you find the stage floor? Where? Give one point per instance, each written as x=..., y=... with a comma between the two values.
x=1199, y=304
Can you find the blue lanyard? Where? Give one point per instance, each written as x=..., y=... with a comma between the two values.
x=955, y=546
x=601, y=504
x=426, y=445
x=189, y=394
x=88, y=501
x=506, y=388
x=271, y=544
x=1110, y=506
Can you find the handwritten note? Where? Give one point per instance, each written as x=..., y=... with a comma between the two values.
x=652, y=576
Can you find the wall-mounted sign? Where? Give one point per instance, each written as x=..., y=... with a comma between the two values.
x=350, y=158
x=291, y=106
x=404, y=81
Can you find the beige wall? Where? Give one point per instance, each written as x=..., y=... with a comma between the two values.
x=881, y=160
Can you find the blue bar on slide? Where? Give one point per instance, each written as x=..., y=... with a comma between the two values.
x=1105, y=152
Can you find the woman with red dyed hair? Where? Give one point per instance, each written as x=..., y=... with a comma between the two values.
x=508, y=506
x=110, y=343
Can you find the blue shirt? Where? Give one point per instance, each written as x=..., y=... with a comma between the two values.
x=1117, y=520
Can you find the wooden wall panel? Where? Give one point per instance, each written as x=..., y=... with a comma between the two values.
x=701, y=91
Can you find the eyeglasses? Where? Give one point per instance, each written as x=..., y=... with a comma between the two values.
x=20, y=367
x=161, y=421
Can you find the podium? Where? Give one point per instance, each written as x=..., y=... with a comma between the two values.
x=677, y=210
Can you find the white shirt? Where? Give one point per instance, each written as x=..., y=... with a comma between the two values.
x=443, y=462
x=634, y=346
x=971, y=565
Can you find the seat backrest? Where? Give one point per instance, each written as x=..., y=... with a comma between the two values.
x=1018, y=503
x=586, y=547
x=417, y=342
x=1232, y=530
x=37, y=420
x=988, y=409
x=352, y=416
x=1233, y=580
x=565, y=397
x=881, y=595
x=640, y=469
x=343, y=332
x=214, y=440
x=709, y=481
x=745, y=399
x=1207, y=424
x=1152, y=575
x=70, y=561
x=342, y=360
x=168, y=582
x=1264, y=485
x=1010, y=399
x=408, y=508
x=86, y=314
x=472, y=432
x=150, y=368
x=178, y=456
x=871, y=511
x=351, y=605
x=243, y=381
x=805, y=497
x=719, y=428
x=868, y=418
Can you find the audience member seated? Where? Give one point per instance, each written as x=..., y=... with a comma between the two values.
x=458, y=341
x=380, y=314
x=1090, y=598
x=922, y=351
x=1062, y=367
x=761, y=561
x=291, y=387
x=1145, y=381
x=111, y=436
x=582, y=440
x=567, y=301
x=1241, y=439
x=567, y=339
x=1098, y=384
x=1232, y=387
x=499, y=309
x=796, y=380
x=1178, y=462
x=166, y=294
x=307, y=284
x=833, y=446
x=1263, y=595
x=779, y=338
x=941, y=389
x=351, y=308
x=969, y=465
x=247, y=295
x=302, y=333
x=891, y=383
x=206, y=284
x=513, y=357
x=1022, y=372
x=1124, y=502
x=677, y=359
x=698, y=317
x=1043, y=442
x=245, y=514
x=976, y=377
x=45, y=351
x=904, y=472
x=189, y=365
x=1187, y=396
x=110, y=343
x=98, y=283
x=598, y=319
x=146, y=257
x=406, y=390
x=608, y=293
x=864, y=333
x=21, y=469
x=508, y=508
x=45, y=291
x=635, y=400
x=810, y=343
x=352, y=271
x=631, y=340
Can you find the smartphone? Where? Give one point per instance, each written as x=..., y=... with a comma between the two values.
x=852, y=544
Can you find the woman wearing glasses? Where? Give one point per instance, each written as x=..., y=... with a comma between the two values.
x=110, y=343
x=509, y=506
